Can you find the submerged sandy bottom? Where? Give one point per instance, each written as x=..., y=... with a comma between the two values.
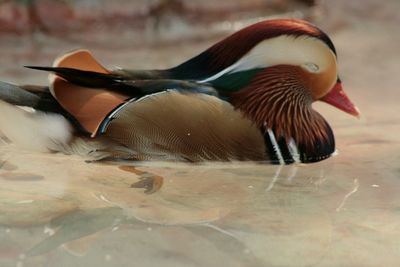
x=57, y=210
x=69, y=213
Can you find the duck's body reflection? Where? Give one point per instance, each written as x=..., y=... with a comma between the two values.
x=245, y=206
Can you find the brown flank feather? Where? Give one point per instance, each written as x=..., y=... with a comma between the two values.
x=191, y=127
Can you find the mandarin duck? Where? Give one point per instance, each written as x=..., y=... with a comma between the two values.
x=248, y=97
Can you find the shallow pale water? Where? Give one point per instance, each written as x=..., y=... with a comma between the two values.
x=57, y=210
x=70, y=213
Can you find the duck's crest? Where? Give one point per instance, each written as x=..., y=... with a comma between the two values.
x=227, y=52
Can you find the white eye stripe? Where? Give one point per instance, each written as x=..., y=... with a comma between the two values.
x=309, y=52
x=229, y=69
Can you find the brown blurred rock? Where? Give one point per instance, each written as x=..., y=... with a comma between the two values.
x=58, y=16
x=35, y=15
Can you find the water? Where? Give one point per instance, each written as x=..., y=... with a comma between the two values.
x=60, y=211
x=57, y=210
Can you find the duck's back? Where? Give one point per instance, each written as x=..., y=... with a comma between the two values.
x=192, y=127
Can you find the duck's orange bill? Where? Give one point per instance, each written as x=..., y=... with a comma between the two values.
x=338, y=98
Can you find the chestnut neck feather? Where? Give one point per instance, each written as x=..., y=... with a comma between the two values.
x=278, y=98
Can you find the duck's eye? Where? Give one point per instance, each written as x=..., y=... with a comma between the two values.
x=311, y=67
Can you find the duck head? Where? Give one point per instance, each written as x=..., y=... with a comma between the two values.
x=273, y=71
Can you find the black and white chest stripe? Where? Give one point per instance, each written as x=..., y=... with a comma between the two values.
x=281, y=152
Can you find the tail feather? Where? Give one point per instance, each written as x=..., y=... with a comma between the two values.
x=50, y=132
x=17, y=96
x=91, y=79
x=125, y=85
x=35, y=130
x=37, y=97
x=44, y=128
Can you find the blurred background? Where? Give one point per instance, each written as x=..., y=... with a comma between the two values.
x=36, y=31
x=154, y=33
x=161, y=19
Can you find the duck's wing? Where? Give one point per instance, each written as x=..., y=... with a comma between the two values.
x=89, y=91
x=87, y=106
x=176, y=126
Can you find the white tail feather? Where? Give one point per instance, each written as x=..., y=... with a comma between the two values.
x=34, y=130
